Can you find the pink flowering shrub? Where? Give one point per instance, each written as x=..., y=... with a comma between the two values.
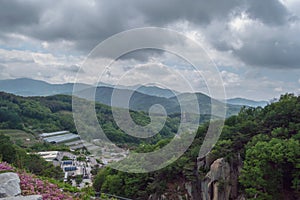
x=31, y=185
x=5, y=167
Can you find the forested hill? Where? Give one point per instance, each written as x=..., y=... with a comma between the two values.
x=256, y=157
x=53, y=113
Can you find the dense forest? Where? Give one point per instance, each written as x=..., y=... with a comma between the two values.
x=266, y=140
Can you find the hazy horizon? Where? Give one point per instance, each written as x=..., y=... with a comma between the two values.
x=140, y=85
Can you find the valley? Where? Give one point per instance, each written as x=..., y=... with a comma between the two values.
x=34, y=125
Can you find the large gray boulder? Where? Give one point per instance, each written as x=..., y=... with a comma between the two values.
x=30, y=197
x=9, y=185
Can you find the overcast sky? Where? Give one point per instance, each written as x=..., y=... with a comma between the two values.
x=254, y=43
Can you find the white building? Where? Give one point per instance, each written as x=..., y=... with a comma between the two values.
x=49, y=155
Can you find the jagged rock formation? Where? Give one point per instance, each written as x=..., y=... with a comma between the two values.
x=221, y=181
x=10, y=188
x=215, y=185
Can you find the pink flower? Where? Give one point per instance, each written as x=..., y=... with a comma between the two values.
x=31, y=185
x=5, y=166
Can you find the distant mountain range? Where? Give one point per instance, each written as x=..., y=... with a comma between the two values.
x=30, y=87
x=247, y=102
x=141, y=99
x=142, y=102
x=155, y=91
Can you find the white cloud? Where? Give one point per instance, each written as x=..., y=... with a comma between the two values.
x=230, y=78
x=278, y=89
x=8, y=56
x=42, y=66
x=240, y=22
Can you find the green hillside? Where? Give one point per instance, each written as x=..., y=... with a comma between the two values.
x=45, y=114
x=263, y=142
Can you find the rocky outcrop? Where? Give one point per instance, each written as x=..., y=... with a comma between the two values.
x=221, y=180
x=216, y=184
x=9, y=185
x=213, y=179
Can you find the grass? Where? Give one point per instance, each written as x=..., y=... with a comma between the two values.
x=19, y=137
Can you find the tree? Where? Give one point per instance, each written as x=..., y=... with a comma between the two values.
x=78, y=179
x=100, y=178
x=7, y=150
x=271, y=167
x=113, y=184
x=9, y=119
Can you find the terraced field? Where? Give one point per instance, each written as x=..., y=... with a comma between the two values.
x=19, y=137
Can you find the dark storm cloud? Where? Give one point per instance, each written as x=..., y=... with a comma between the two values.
x=268, y=11
x=158, y=12
x=141, y=55
x=128, y=45
x=271, y=41
x=82, y=21
x=16, y=14
x=86, y=23
x=271, y=54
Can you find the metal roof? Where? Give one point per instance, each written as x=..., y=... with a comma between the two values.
x=77, y=142
x=80, y=146
x=62, y=138
x=53, y=133
x=42, y=153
